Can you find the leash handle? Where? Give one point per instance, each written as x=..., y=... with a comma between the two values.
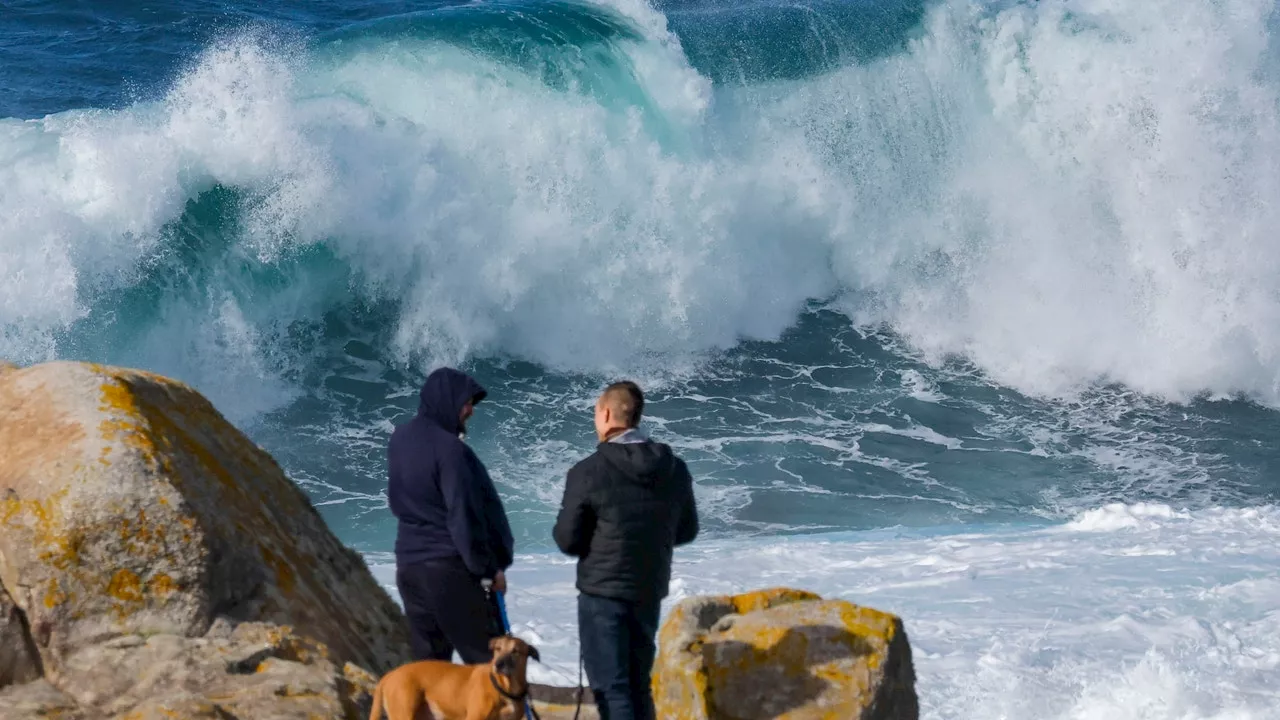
x=502, y=612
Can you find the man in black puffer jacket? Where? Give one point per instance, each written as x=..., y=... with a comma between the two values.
x=624, y=510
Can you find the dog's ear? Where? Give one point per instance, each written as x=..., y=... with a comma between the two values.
x=533, y=653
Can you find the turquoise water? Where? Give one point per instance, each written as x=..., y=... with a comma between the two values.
x=887, y=269
x=761, y=210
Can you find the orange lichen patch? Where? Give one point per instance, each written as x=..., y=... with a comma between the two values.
x=43, y=520
x=192, y=466
x=125, y=586
x=169, y=410
x=859, y=678
x=298, y=648
x=129, y=374
x=764, y=599
x=124, y=422
x=139, y=530
x=54, y=596
x=161, y=585
x=12, y=505
x=799, y=644
x=875, y=626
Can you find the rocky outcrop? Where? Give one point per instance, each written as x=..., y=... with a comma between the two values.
x=783, y=654
x=159, y=564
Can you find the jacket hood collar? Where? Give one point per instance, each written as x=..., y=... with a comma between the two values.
x=630, y=436
x=443, y=395
x=638, y=458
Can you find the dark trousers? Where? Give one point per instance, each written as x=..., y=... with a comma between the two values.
x=618, y=648
x=447, y=610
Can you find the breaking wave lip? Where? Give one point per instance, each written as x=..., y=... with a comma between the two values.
x=1042, y=188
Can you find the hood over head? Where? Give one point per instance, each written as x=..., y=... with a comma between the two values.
x=443, y=395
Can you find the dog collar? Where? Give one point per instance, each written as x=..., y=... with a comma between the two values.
x=493, y=678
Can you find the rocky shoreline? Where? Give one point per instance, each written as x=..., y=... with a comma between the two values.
x=156, y=563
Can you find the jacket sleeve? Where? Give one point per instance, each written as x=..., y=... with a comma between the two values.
x=501, y=542
x=464, y=508
x=576, y=521
x=687, y=529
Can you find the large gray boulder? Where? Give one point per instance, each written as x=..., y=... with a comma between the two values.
x=783, y=653
x=154, y=562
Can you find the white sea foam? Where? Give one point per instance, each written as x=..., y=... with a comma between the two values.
x=1166, y=614
x=1064, y=192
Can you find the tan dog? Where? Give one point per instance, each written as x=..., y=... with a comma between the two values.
x=439, y=690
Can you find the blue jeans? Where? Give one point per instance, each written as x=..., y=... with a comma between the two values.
x=618, y=649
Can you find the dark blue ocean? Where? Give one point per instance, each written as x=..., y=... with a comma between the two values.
x=970, y=310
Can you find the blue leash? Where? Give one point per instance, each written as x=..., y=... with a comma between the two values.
x=506, y=628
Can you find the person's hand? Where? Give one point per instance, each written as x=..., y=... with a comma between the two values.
x=500, y=582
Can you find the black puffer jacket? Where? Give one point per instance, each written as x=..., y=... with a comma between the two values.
x=625, y=508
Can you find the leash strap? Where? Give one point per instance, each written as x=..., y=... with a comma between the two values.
x=506, y=628
x=582, y=689
x=502, y=612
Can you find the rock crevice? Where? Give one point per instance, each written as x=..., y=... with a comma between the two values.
x=19, y=658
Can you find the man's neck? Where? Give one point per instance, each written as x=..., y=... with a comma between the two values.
x=623, y=434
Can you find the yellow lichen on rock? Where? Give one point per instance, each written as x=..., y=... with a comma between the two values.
x=129, y=508
x=782, y=653
x=765, y=599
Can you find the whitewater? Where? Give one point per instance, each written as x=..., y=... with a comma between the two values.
x=968, y=311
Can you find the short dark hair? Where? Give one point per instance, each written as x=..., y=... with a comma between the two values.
x=626, y=398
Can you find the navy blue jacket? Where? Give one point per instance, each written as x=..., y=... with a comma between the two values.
x=439, y=490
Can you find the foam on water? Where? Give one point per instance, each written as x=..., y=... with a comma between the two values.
x=1064, y=192
x=1073, y=196
x=1034, y=217
x=1142, y=611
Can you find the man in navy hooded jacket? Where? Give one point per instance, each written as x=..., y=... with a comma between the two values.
x=453, y=530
